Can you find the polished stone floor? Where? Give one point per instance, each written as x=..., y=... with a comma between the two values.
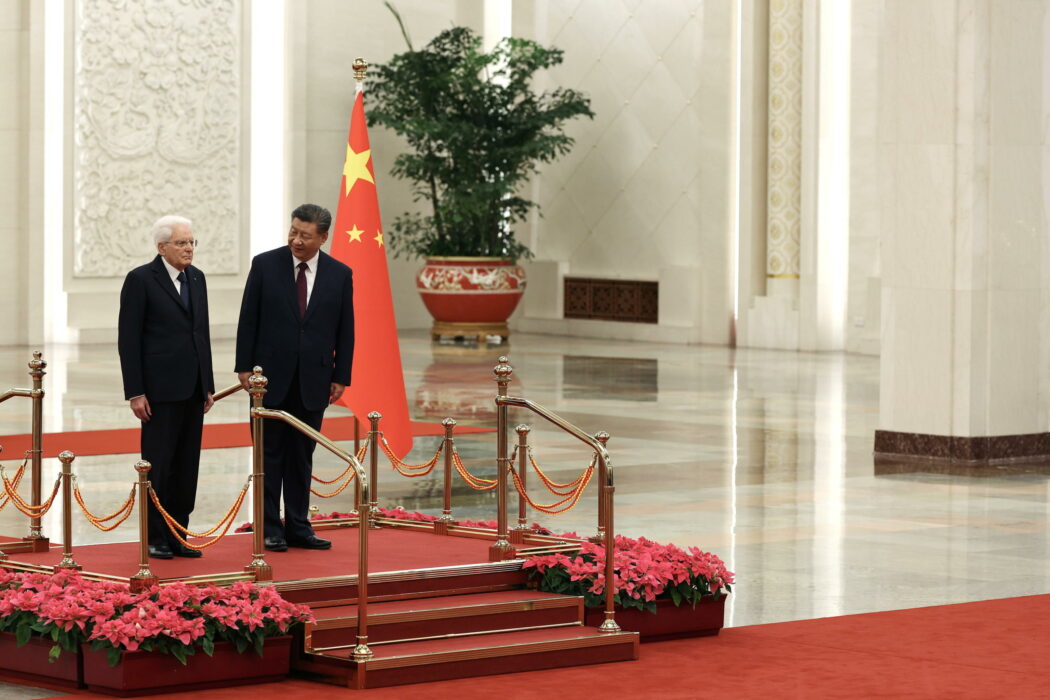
x=762, y=457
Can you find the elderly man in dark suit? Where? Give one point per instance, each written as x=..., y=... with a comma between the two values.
x=165, y=359
x=297, y=323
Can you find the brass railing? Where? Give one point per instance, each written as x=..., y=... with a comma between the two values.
x=502, y=546
x=37, y=365
x=257, y=390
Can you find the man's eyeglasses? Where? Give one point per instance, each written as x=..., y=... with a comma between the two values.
x=183, y=244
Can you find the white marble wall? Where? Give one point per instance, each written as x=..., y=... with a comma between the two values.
x=15, y=228
x=964, y=184
x=644, y=194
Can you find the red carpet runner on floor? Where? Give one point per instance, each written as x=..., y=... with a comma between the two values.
x=991, y=649
x=126, y=440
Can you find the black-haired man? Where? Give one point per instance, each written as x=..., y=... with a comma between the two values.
x=297, y=323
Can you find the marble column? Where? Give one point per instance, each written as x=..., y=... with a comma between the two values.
x=966, y=260
x=774, y=318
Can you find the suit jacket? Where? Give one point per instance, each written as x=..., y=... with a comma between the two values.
x=165, y=350
x=271, y=334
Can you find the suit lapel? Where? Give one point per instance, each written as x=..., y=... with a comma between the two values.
x=193, y=278
x=160, y=273
x=319, y=279
x=287, y=277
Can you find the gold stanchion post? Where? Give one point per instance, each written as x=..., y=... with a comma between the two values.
x=36, y=371
x=605, y=527
x=258, y=566
x=442, y=523
x=373, y=469
x=67, y=457
x=517, y=536
x=144, y=578
x=361, y=651
x=599, y=536
x=501, y=548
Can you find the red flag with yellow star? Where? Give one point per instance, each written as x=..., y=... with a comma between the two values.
x=378, y=383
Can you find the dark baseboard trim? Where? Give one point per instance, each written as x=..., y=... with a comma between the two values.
x=995, y=448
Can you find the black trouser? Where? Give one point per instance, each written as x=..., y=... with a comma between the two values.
x=171, y=443
x=288, y=456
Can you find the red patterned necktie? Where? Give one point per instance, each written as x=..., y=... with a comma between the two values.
x=300, y=289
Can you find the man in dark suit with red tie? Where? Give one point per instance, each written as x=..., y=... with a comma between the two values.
x=297, y=323
x=165, y=359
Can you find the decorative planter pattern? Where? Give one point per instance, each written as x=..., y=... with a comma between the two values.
x=145, y=672
x=470, y=290
x=670, y=621
x=30, y=661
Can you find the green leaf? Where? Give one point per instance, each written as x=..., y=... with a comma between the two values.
x=179, y=652
x=53, y=653
x=207, y=645
x=113, y=656
x=676, y=595
x=22, y=633
x=259, y=644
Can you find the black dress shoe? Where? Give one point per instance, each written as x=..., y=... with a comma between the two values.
x=275, y=544
x=160, y=551
x=311, y=542
x=181, y=550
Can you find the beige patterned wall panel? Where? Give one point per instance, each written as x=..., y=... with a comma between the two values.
x=784, y=206
x=613, y=206
x=157, y=129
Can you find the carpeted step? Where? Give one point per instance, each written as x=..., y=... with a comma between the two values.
x=440, y=616
x=401, y=663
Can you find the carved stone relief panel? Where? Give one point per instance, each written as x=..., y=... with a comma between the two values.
x=157, y=108
x=784, y=206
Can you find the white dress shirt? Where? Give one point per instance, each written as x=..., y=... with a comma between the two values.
x=173, y=274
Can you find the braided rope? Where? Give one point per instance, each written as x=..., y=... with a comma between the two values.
x=554, y=486
x=338, y=491
x=26, y=508
x=123, y=513
x=343, y=475
x=404, y=468
x=14, y=483
x=475, y=482
x=177, y=528
x=569, y=502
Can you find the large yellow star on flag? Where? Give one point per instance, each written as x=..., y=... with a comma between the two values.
x=379, y=237
x=355, y=167
x=355, y=234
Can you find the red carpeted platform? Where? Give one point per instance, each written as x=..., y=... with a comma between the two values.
x=991, y=649
x=390, y=549
x=126, y=440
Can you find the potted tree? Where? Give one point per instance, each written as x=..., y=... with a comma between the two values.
x=476, y=131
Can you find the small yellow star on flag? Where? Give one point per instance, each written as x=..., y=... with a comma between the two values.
x=355, y=234
x=355, y=168
x=379, y=238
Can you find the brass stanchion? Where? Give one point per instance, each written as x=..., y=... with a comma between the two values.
x=367, y=490
x=517, y=536
x=373, y=469
x=3, y=554
x=501, y=548
x=442, y=523
x=258, y=566
x=605, y=528
x=36, y=371
x=599, y=536
x=67, y=562
x=144, y=578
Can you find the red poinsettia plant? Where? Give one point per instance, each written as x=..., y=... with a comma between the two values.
x=645, y=571
x=176, y=619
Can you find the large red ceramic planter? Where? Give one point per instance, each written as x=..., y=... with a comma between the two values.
x=30, y=661
x=147, y=672
x=468, y=296
x=670, y=621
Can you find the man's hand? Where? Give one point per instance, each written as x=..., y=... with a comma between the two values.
x=335, y=392
x=208, y=403
x=140, y=407
x=242, y=377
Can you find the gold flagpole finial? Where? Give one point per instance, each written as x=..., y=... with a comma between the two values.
x=360, y=66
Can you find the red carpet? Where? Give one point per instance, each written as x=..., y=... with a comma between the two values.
x=390, y=549
x=126, y=440
x=991, y=649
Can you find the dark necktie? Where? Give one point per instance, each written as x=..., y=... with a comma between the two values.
x=300, y=289
x=184, y=290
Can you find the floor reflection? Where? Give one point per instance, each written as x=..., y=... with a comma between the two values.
x=763, y=457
